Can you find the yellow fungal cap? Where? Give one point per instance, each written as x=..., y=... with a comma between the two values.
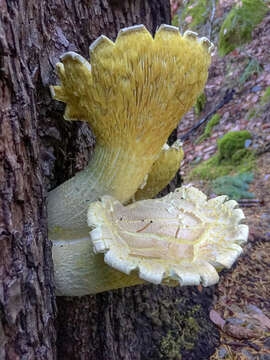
x=182, y=237
x=137, y=89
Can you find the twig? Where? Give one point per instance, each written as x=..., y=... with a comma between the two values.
x=226, y=99
x=179, y=14
x=250, y=202
x=254, y=346
x=263, y=149
x=248, y=205
x=145, y=227
x=212, y=18
x=247, y=343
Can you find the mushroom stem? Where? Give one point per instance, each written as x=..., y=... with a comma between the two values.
x=79, y=271
x=112, y=171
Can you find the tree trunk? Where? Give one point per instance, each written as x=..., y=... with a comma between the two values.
x=39, y=150
x=27, y=302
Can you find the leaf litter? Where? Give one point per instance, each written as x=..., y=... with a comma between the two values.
x=241, y=308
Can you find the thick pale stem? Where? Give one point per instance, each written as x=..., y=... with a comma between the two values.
x=117, y=172
x=79, y=271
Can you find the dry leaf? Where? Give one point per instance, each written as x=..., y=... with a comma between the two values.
x=239, y=332
x=264, y=320
x=217, y=319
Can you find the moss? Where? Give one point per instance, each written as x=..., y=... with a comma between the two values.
x=199, y=10
x=209, y=127
x=200, y=104
x=175, y=21
x=260, y=107
x=232, y=157
x=212, y=168
x=231, y=142
x=237, y=28
x=183, y=337
x=252, y=112
x=169, y=347
x=239, y=155
x=266, y=96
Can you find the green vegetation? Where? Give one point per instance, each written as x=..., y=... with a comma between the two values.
x=183, y=337
x=232, y=157
x=231, y=142
x=209, y=127
x=199, y=10
x=200, y=104
x=237, y=28
x=253, y=67
x=236, y=187
x=265, y=99
x=260, y=107
x=175, y=21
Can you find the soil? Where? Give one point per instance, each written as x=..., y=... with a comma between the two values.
x=247, y=284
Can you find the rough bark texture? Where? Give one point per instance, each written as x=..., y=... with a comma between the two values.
x=138, y=323
x=27, y=302
x=38, y=151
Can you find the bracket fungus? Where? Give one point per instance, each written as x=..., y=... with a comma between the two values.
x=132, y=95
x=182, y=238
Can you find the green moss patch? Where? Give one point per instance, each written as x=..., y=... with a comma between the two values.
x=237, y=28
x=266, y=96
x=209, y=127
x=200, y=104
x=260, y=108
x=199, y=10
x=232, y=142
x=232, y=157
x=184, y=338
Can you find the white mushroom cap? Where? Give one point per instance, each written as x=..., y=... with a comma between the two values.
x=181, y=237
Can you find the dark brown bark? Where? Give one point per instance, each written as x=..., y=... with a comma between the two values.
x=177, y=180
x=38, y=151
x=137, y=323
x=27, y=301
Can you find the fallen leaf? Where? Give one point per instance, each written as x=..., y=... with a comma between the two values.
x=217, y=319
x=240, y=332
x=264, y=320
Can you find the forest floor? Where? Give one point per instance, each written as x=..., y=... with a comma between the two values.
x=242, y=299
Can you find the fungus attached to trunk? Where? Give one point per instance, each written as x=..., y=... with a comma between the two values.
x=182, y=238
x=133, y=95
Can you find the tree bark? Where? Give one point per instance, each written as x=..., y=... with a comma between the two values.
x=39, y=150
x=27, y=302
